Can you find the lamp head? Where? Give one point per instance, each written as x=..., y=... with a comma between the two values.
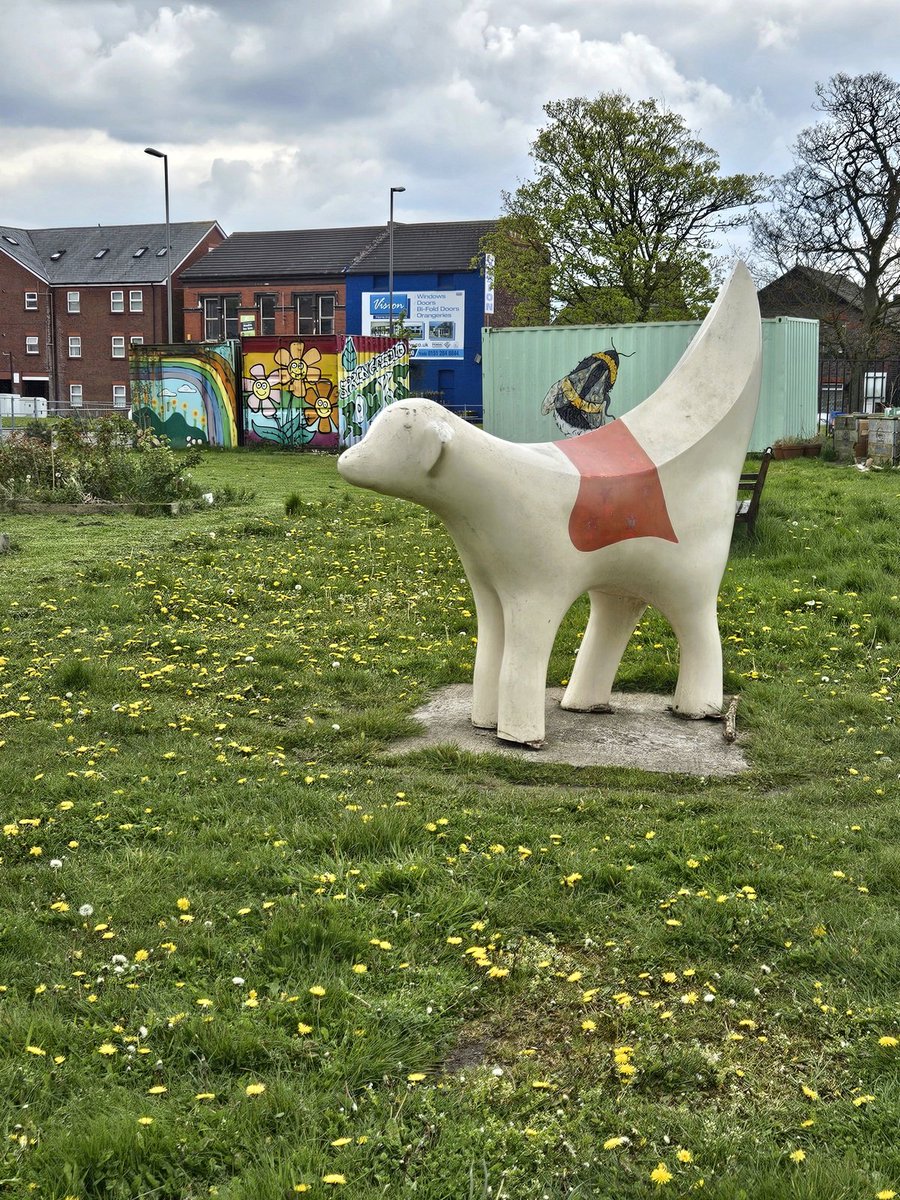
x=155, y=153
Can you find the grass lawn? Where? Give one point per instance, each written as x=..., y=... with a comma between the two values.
x=246, y=954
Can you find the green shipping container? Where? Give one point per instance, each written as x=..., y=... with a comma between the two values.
x=521, y=365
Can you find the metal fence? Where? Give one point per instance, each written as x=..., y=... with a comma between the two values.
x=880, y=387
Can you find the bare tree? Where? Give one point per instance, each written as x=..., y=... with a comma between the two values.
x=837, y=212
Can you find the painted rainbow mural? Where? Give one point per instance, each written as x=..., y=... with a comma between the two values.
x=187, y=392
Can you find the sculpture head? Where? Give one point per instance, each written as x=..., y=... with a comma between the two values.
x=401, y=450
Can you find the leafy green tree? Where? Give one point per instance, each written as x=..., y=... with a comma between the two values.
x=619, y=220
x=837, y=210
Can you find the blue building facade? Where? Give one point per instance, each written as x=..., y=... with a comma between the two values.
x=439, y=300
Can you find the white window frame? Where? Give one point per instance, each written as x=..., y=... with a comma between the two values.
x=137, y=339
x=120, y=395
x=76, y=395
x=31, y=301
x=118, y=347
x=117, y=301
x=73, y=302
x=74, y=347
x=136, y=300
x=32, y=345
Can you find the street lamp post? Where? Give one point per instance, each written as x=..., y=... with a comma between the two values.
x=391, y=263
x=165, y=158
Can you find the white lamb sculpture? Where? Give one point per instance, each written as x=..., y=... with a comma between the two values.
x=637, y=512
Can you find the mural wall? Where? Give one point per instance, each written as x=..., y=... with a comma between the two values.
x=374, y=373
x=319, y=392
x=290, y=391
x=315, y=393
x=187, y=393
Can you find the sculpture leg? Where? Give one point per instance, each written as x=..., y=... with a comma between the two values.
x=529, y=632
x=488, y=656
x=611, y=624
x=699, y=689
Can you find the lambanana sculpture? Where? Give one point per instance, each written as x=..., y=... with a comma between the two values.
x=637, y=512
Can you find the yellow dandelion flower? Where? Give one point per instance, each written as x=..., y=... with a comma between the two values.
x=303, y=1030
x=183, y=904
x=887, y=1041
x=108, y=1049
x=589, y=1026
x=454, y=941
x=885, y=1194
x=145, y=1120
x=541, y=1084
x=301, y=1187
x=809, y=1093
x=359, y=968
x=416, y=1077
x=661, y=1174
x=334, y=1178
x=255, y=1089
x=797, y=1155
x=342, y=1141
x=317, y=990
x=684, y=1156
x=861, y=1100
x=614, y=1142
x=157, y=1090
x=36, y=1050
x=205, y=1096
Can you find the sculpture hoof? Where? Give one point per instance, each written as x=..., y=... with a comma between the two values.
x=484, y=724
x=537, y=744
x=712, y=714
x=591, y=708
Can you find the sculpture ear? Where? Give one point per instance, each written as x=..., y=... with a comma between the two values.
x=440, y=435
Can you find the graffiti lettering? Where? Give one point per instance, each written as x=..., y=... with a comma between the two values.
x=367, y=371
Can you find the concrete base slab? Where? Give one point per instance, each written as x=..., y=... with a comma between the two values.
x=640, y=732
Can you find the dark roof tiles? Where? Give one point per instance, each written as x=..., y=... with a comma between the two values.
x=104, y=254
x=433, y=246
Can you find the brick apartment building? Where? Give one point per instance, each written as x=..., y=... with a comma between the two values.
x=73, y=300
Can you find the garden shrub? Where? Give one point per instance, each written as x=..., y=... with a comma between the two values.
x=105, y=460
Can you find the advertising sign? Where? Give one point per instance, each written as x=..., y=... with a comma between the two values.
x=434, y=322
x=489, y=283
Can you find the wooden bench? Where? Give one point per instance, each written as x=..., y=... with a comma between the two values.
x=752, y=481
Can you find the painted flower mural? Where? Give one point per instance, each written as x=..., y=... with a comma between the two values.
x=298, y=367
x=258, y=387
x=320, y=412
x=315, y=392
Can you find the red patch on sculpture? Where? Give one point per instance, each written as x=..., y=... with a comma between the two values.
x=619, y=496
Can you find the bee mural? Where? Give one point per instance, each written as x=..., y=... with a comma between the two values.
x=580, y=401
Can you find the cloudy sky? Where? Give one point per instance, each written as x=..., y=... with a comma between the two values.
x=281, y=114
